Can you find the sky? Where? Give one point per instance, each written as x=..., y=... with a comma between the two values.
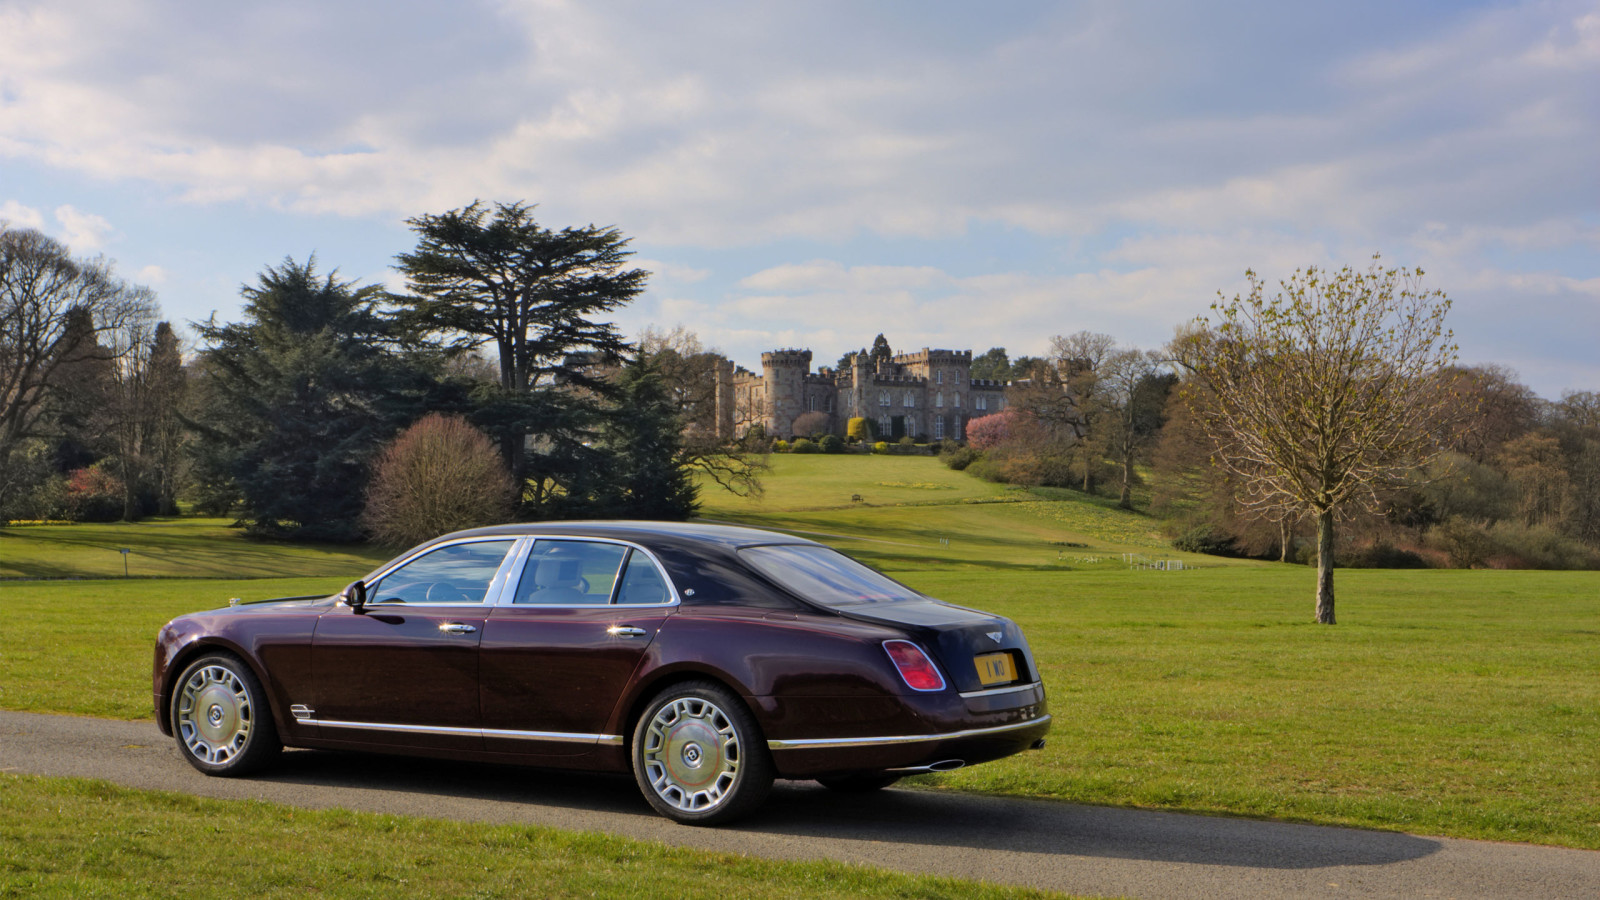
x=953, y=175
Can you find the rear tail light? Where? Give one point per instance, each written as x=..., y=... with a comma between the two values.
x=918, y=671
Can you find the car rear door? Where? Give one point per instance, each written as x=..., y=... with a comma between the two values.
x=561, y=646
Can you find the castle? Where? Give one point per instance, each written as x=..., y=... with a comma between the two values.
x=926, y=393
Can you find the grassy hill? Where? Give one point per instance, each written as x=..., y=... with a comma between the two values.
x=1451, y=702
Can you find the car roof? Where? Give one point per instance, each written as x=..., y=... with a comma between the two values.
x=644, y=532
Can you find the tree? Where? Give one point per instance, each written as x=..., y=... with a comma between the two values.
x=810, y=424
x=296, y=400
x=1132, y=394
x=991, y=365
x=495, y=276
x=53, y=311
x=648, y=480
x=440, y=475
x=880, y=354
x=689, y=372
x=1324, y=394
x=167, y=383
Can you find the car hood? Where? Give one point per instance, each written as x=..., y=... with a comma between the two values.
x=257, y=607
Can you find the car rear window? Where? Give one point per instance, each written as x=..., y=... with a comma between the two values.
x=825, y=576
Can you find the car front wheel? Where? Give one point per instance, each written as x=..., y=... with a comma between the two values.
x=220, y=717
x=699, y=757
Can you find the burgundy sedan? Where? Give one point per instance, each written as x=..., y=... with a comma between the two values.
x=706, y=660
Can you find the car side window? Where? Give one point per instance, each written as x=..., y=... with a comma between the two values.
x=455, y=573
x=569, y=573
x=642, y=582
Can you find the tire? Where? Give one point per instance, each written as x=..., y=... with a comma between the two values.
x=858, y=784
x=699, y=757
x=220, y=717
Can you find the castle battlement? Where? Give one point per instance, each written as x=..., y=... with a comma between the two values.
x=876, y=388
x=776, y=358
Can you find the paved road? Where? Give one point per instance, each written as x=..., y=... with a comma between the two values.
x=1081, y=849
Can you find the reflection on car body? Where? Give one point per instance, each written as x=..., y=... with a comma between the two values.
x=707, y=660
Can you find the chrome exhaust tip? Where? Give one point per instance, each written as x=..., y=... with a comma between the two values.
x=1037, y=745
x=943, y=765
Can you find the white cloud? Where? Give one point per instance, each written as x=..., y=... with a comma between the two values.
x=151, y=275
x=83, y=232
x=19, y=216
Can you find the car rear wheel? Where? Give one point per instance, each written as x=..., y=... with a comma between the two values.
x=220, y=717
x=858, y=784
x=699, y=757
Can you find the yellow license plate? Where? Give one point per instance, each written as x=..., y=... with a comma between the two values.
x=995, y=668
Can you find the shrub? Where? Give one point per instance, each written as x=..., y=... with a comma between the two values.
x=1382, y=555
x=991, y=431
x=810, y=423
x=780, y=446
x=804, y=445
x=439, y=475
x=1205, y=538
x=860, y=429
x=959, y=458
x=880, y=447
x=1519, y=546
x=831, y=443
x=92, y=495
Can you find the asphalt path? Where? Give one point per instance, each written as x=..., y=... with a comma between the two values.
x=1062, y=846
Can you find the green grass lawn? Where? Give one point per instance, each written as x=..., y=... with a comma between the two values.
x=169, y=548
x=75, y=838
x=1447, y=702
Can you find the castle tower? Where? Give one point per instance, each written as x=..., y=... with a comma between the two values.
x=724, y=399
x=784, y=377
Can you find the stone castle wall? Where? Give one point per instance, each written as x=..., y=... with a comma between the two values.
x=923, y=393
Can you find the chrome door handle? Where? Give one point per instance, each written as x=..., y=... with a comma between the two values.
x=456, y=628
x=626, y=631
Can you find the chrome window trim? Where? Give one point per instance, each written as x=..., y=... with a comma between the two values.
x=509, y=589
x=829, y=743
x=560, y=737
x=491, y=595
x=1002, y=690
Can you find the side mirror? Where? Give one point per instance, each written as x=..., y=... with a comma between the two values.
x=355, y=596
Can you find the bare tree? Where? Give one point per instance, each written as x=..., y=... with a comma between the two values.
x=1131, y=395
x=129, y=409
x=689, y=371
x=53, y=311
x=1324, y=394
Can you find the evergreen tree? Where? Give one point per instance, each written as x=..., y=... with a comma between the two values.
x=495, y=276
x=296, y=399
x=644, y=438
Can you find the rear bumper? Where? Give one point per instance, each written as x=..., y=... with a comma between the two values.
x=965, y=728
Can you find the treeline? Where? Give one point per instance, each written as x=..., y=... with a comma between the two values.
x=1517, y=484
x=291, y=419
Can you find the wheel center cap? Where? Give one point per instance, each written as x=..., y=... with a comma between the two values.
x=692, y=755
x=214, y=714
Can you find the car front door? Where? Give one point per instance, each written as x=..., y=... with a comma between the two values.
x=560, y=648
x=404, y=670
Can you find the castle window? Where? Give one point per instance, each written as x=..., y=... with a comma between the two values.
x=883, y=398
x=938, y=377
x=938, y=428
x=955, y=399
x=911, y=399
x=938, y=399
x=811, y=402
x=999, y=403
x=885, y=428
x=980, y=402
